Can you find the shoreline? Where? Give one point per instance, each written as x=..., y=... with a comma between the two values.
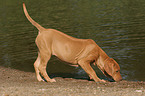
x=19, y=83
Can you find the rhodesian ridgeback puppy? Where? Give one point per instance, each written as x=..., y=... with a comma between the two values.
x=72, y=50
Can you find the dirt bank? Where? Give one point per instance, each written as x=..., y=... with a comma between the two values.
x=18, y=83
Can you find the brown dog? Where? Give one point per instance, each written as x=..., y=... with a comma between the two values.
x=72, y=50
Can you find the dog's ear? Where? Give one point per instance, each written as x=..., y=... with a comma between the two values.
x=108, y=66
x=108, y=69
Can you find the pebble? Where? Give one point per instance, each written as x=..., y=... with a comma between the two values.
x=138, y=90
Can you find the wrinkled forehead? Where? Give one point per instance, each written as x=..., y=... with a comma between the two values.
x=116, y=65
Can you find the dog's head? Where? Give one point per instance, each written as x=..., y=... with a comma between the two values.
x=112, y=69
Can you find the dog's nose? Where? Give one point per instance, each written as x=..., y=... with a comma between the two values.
x=120, y=79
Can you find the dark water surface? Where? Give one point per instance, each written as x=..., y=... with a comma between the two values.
x=117, y=26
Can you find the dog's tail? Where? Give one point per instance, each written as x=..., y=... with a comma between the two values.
x=38, y=26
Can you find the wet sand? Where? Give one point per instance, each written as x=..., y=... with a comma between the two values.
x=19, y=83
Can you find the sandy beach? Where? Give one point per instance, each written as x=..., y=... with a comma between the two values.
x=19, y=83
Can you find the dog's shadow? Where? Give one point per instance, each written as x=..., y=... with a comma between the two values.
x=75, y=76
x=58, y=64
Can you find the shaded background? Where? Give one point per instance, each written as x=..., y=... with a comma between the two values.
x=117, y=26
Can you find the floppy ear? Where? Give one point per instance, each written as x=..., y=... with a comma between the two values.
x=108, y=68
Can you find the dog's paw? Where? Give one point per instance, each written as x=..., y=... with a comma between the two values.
x=52, y=80
x=103, y=80
x=40, y=79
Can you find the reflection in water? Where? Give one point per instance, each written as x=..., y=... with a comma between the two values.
x=117, y=27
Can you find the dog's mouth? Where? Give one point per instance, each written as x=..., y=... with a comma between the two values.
x=107, y=75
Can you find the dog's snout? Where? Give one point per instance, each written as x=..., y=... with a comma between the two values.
x=118, y=79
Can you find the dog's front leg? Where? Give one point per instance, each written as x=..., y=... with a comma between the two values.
x=89, y=70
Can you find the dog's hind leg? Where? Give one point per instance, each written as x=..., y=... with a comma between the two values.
x=36, y=65
x=44, y=58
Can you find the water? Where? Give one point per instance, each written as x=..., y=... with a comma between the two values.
x=117, y=26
